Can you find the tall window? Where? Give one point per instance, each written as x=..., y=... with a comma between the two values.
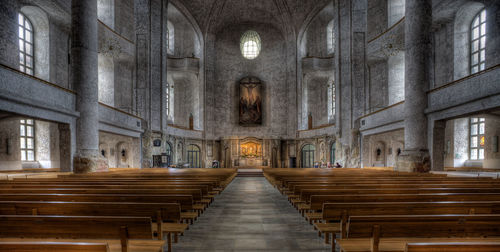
x=330, y=37
x=478, y=42
x=26, y=59
x=193, y=156
x=308, y=156
x=27, y=137
x=331, y=93
x=477, y=138
x=170, y=37
x=167, y=98
x=250, y=44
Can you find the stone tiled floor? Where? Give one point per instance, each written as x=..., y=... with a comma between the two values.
x=250, y=215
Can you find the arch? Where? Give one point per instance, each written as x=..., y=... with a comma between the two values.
x=193, y=156
x=41, y=40
x=332, y=153
x=478, y=42
x=307, y=156
x=461, y=41
x=122, y=154
x=169, y=152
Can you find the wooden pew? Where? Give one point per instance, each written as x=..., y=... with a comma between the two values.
x=166, y=216
x=318, y=200
x=453, y=247
x=53, y=247
x=121, y=233
x=393, y=232
x=185, y=201
x=336, y=215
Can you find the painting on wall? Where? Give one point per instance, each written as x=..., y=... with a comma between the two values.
x=250, y=102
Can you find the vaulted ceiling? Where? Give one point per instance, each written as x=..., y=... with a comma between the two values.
x=287, y=15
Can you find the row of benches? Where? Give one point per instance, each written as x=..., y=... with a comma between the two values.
x=372, y=210
x=112, y=211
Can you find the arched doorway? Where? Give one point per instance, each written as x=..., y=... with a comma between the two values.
x=308, y=156
x=193, y=156
x=168, y=153
x=332, y=154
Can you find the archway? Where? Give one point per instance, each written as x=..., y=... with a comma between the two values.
x=193, y=156
x=307, y=156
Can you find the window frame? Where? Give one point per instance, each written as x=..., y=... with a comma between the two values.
x=477, y=121
x=170, y=38
x=24, y=138
x=480, y=63
x=22, y=40
x=332, y=99
x=330, y=37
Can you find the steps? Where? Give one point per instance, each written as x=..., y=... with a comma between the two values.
x=250, y=173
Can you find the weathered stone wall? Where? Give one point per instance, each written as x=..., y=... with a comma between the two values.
x=231, y=67
x=120, y=151
x=382, y=149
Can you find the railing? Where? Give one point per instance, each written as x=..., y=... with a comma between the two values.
x=38, y=79
x=464, y=78
x=382, y=109
x=386, y=31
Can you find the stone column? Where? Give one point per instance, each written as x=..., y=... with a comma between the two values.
x=418, y=22
x=9, y=37
x=84, y=78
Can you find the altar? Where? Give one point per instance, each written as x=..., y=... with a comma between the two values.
x=250, y=152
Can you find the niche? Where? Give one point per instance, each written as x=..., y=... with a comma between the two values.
x=122, y=154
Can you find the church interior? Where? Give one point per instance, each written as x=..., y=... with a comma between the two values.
x=250, y=125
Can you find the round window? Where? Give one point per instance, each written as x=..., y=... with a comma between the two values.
x=250, y=44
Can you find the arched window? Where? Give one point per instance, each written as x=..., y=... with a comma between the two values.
x=478, y=42
x=193, y=156
x=331, y=101
x=26, y=48
x=308, y=156
x=250, y=44
x=330, y=38
x=27, y=139
x=477, y=138
x=170, y=38
x=332, y=154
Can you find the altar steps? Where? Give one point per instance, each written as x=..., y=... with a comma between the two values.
x=250, y=173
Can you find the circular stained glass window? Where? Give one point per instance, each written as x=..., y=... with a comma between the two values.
x=250, y=44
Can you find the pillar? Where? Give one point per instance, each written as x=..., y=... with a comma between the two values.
x=9, y=37
x=418, y=20
x=84, y=77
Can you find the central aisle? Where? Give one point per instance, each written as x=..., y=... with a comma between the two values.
x=250, y=215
